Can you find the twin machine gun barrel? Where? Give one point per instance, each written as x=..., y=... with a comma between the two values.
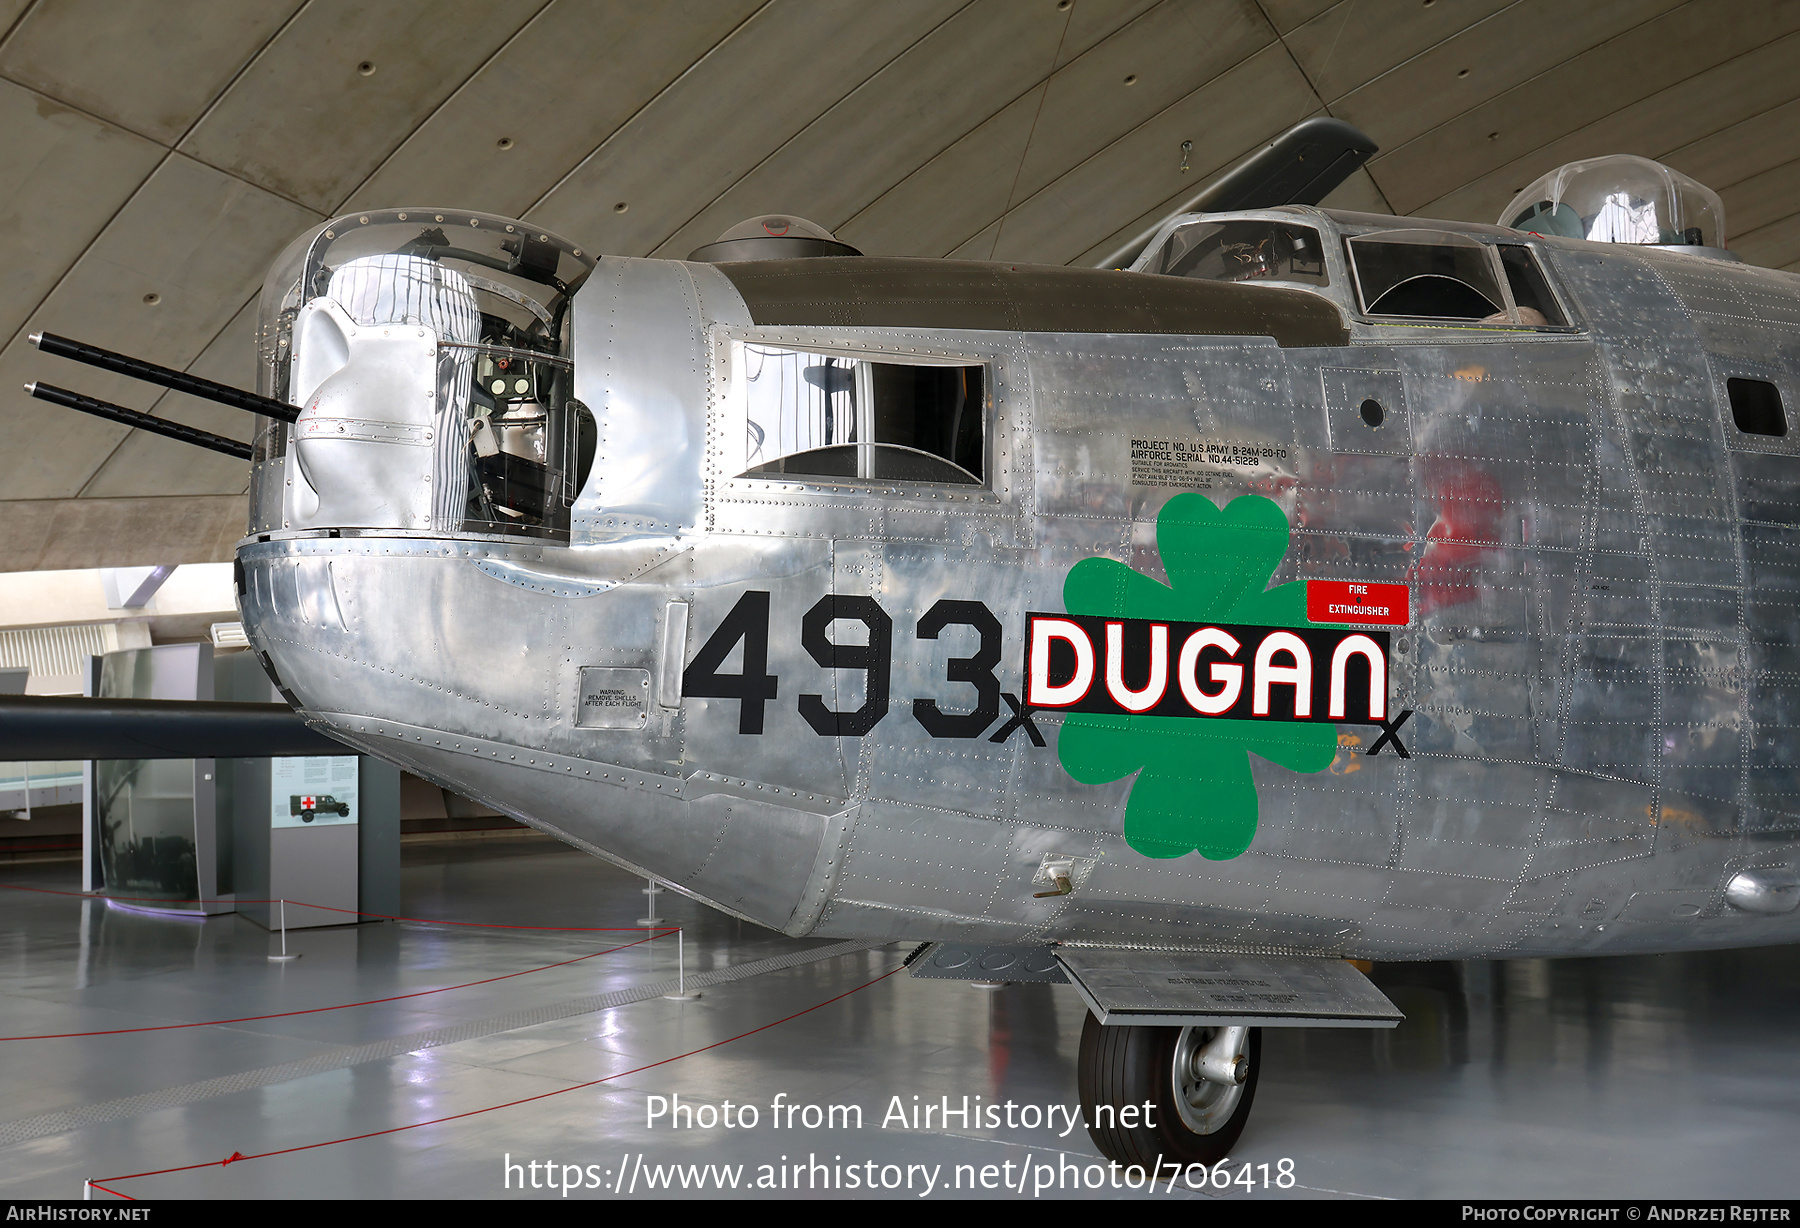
x=149, y=372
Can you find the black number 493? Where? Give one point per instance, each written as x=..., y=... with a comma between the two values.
x=753, y=686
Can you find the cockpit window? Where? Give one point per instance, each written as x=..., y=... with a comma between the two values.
x=1530, y=291
x=1242, y=250
x=1441, y=275
x=821, y=415
x=1425, y=273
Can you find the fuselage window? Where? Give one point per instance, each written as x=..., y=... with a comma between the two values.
x=1756, y=407
x=1243, y=250
x=1441, y=275
x=820, y=415
x=1530, y=291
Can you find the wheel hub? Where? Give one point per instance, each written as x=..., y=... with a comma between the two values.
x=1210, y=1066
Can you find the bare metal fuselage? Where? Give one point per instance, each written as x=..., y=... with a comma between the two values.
x=1600, y=660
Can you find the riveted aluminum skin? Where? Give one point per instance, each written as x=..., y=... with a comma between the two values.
x=1600, y=661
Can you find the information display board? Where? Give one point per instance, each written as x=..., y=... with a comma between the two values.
x=313, y=791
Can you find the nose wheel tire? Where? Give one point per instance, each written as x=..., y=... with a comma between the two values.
x=1187, y=1076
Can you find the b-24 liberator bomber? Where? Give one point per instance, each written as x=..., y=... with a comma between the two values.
x=1325, y=587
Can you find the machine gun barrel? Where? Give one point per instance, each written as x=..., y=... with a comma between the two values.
x=180, y=381
x=143, y=422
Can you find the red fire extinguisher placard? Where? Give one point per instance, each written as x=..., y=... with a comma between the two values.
x=1351, y=601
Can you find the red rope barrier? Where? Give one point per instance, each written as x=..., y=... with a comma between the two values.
x=342, y=1006
x=382, y=916
x=237, y=1157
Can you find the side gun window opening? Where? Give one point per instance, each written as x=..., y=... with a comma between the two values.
x=1441, y=275
x=1245, y=250
x=1756, y=407
x=817, y=415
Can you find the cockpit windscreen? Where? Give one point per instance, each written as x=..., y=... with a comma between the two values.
x=1245, y=249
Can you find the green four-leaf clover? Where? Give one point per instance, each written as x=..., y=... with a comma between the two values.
x=1195, y=792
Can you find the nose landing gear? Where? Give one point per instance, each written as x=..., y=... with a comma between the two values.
x=1171, y=1094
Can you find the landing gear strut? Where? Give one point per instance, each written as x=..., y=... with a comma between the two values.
x=1198, y=1081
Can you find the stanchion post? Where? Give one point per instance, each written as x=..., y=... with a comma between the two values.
x=681, y=994
x=652, y=891
x=284, y=956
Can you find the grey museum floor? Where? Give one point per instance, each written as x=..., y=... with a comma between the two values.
x=1664, y=1076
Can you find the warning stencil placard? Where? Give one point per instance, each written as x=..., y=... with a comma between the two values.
x=1192, y=464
